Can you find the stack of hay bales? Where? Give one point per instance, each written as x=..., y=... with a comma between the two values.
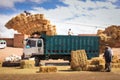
x=96, y=64
x=30, y=24
x=78, y=60
x=115, y=62
x=103, y=37
x=1, y=63
x=110, y=35
x=46, y=69
x=27, y=64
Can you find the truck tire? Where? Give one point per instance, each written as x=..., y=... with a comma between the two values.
x=37, y=61
x=23, y=56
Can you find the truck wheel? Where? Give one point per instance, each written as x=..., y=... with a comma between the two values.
x=37, y=61
x=23, y=56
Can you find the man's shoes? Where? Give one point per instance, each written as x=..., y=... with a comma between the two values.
x=108, y=70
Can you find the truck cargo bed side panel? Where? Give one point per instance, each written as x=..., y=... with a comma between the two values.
x=63, y=45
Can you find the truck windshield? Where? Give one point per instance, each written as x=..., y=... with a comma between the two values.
x=31, y=43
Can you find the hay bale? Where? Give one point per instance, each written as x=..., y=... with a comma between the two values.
x=42, y=16
x=96, y=64
x=97, y=61
x=99, y=32
x=119, y=61
x=1, y=63
x=33, y=17
x=18, y=18
x=45, y=28
x=47, y=69
x=101, y=67
x=115, y=59
x=22, y=15
x=103, y=37
x=95, y=67
x=115, y=65
x=118, y=65
x=78, y=60
x=29, y=19
x=92, y=68
x=27, y=64
x=50, y=33
x=89, y=62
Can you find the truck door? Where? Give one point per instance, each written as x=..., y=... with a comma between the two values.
x=40, y=47
x=30, y=48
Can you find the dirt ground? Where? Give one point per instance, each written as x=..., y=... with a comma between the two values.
x=8, y=51
x=63, y=73
x=62, y=76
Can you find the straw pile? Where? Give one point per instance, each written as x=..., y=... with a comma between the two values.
x=46, y=69
x=115, y=65
x=30, y=24
x=110, y=35
x=115, y=62
x=78, y=60
x=27, y=64
x=96, y=64
x=95, y=67
x=115, y=59
x=97, y=61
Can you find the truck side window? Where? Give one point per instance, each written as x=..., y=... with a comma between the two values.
x=39, y=44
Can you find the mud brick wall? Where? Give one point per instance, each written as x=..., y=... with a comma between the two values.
x=18, y=40
x=9, y=41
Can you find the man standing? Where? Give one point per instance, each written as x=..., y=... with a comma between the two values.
x=108, y=58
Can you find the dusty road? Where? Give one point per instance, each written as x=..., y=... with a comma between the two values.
x=62, y=76
x=64, y=73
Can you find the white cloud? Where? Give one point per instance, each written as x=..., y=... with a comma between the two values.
x=112, y=0
x=78, y=15
x=81, y=17
x=38, y=1
x=4, y=32
x=9, y=3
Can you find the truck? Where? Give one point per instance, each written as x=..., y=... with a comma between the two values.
x=60, y=47
x=3, y=44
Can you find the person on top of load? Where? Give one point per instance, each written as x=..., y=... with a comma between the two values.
x=27, y=13
x=70, y=32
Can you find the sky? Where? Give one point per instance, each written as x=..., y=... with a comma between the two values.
x=82, y=16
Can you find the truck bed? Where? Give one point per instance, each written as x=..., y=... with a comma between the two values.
x=64, y=44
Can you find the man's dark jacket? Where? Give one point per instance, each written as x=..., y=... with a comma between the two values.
x=108, y=55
